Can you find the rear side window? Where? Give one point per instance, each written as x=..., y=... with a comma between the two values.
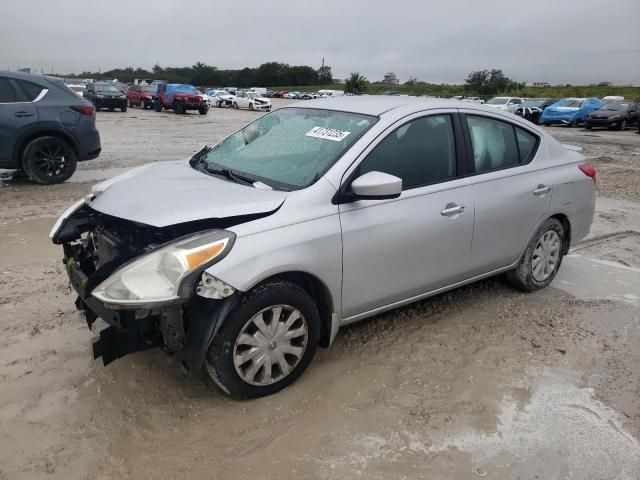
x=30, y=90
x=420, y=152
x=526, y=145
x=7, y=92
x=497, y=145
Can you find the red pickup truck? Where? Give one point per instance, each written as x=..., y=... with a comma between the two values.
x=141, y=95
x=179, y=97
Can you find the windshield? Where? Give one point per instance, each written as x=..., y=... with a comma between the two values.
x=149, y=88
x=570, y=102
x=107, y=88
x=252, y=94
x=289, y=148
x=616, y=107
x=498, y=101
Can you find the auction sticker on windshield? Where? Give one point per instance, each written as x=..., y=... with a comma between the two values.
x=327, y=133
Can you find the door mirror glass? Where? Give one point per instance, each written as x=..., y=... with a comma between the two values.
x=376, y=186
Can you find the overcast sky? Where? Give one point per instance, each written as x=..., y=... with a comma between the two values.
x=558, y=41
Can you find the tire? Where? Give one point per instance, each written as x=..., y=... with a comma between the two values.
x=203, y=110
x=129, y=104
x=622, y=124
x=123, y=109
x=547, y=124
x=157, y=106
x=524, y=276
x=251, y=106
x=178, y=108
x=111, y=109
x=95, y=105
x=235, y=105
x=143, y=105
x=219, y=104
x=588, y=127
x=259, y=304
x=49, y=160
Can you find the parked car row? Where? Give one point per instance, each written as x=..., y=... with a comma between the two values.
x=610, y=112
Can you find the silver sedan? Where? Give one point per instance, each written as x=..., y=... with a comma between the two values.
x=248, y=256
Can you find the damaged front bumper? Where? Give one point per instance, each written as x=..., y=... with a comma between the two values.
x=97, y=245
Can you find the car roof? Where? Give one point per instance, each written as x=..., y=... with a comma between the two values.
x=380, y=104
x=30, y=77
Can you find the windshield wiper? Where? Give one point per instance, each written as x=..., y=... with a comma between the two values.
x=230, y=174
x=195, y=160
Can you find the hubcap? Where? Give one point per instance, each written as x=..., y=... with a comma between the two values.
x=270, y=345
x=50, y=160
x=546, y=255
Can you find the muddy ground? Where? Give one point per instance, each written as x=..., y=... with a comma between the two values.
x=483, y=381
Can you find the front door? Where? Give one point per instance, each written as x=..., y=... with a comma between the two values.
x=396, y=249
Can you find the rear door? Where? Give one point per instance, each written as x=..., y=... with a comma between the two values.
x=17, y=114
x=512, y=188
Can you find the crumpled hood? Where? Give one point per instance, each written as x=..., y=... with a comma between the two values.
x=167, y=193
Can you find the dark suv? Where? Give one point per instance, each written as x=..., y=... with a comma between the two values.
x=45, y=128
x=106, y=95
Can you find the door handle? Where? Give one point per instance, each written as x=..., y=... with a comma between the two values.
x=452, y=209
x=541, y=190
x=22, y=113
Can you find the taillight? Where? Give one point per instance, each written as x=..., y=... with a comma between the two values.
x=589, y=171
x=83, y=109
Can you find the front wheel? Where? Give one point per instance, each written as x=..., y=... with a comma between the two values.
x=235, y=105
x=49, y=160
x=203, y=110
x=123, y=109
x=622, y=124
x=178, y=108
x=251, y=106
x=542, y=258
x=588, y=127
x=266, y=342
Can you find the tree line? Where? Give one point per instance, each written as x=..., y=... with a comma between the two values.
x=268, y=74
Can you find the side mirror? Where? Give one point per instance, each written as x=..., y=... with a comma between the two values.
x=376, y=186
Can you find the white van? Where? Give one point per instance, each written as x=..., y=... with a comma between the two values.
x=331, y=93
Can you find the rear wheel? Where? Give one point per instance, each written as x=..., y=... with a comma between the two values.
x=157, y=106
x=111, y=109
x=266, y=342
x=542, y=258
x=49, y=160
x=588, y=127
x=622, y=124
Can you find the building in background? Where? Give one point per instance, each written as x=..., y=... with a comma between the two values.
x=390, y=78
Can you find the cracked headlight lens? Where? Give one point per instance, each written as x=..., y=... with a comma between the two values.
x=156, y=276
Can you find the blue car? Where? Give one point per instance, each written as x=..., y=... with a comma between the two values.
x=570, y=111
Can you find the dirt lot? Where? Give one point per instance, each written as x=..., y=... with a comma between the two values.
x=479, y=382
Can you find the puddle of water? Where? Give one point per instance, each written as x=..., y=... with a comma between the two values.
x=27, y=242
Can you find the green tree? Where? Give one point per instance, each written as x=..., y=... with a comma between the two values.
x=325, y=77
x=356, y=83
x=489, y=82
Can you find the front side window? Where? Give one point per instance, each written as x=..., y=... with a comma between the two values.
x=7, y=92
x=288, y=149
x=420, y=152
x=497, y=144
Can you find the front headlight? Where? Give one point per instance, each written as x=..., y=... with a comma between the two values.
x=157, y=276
